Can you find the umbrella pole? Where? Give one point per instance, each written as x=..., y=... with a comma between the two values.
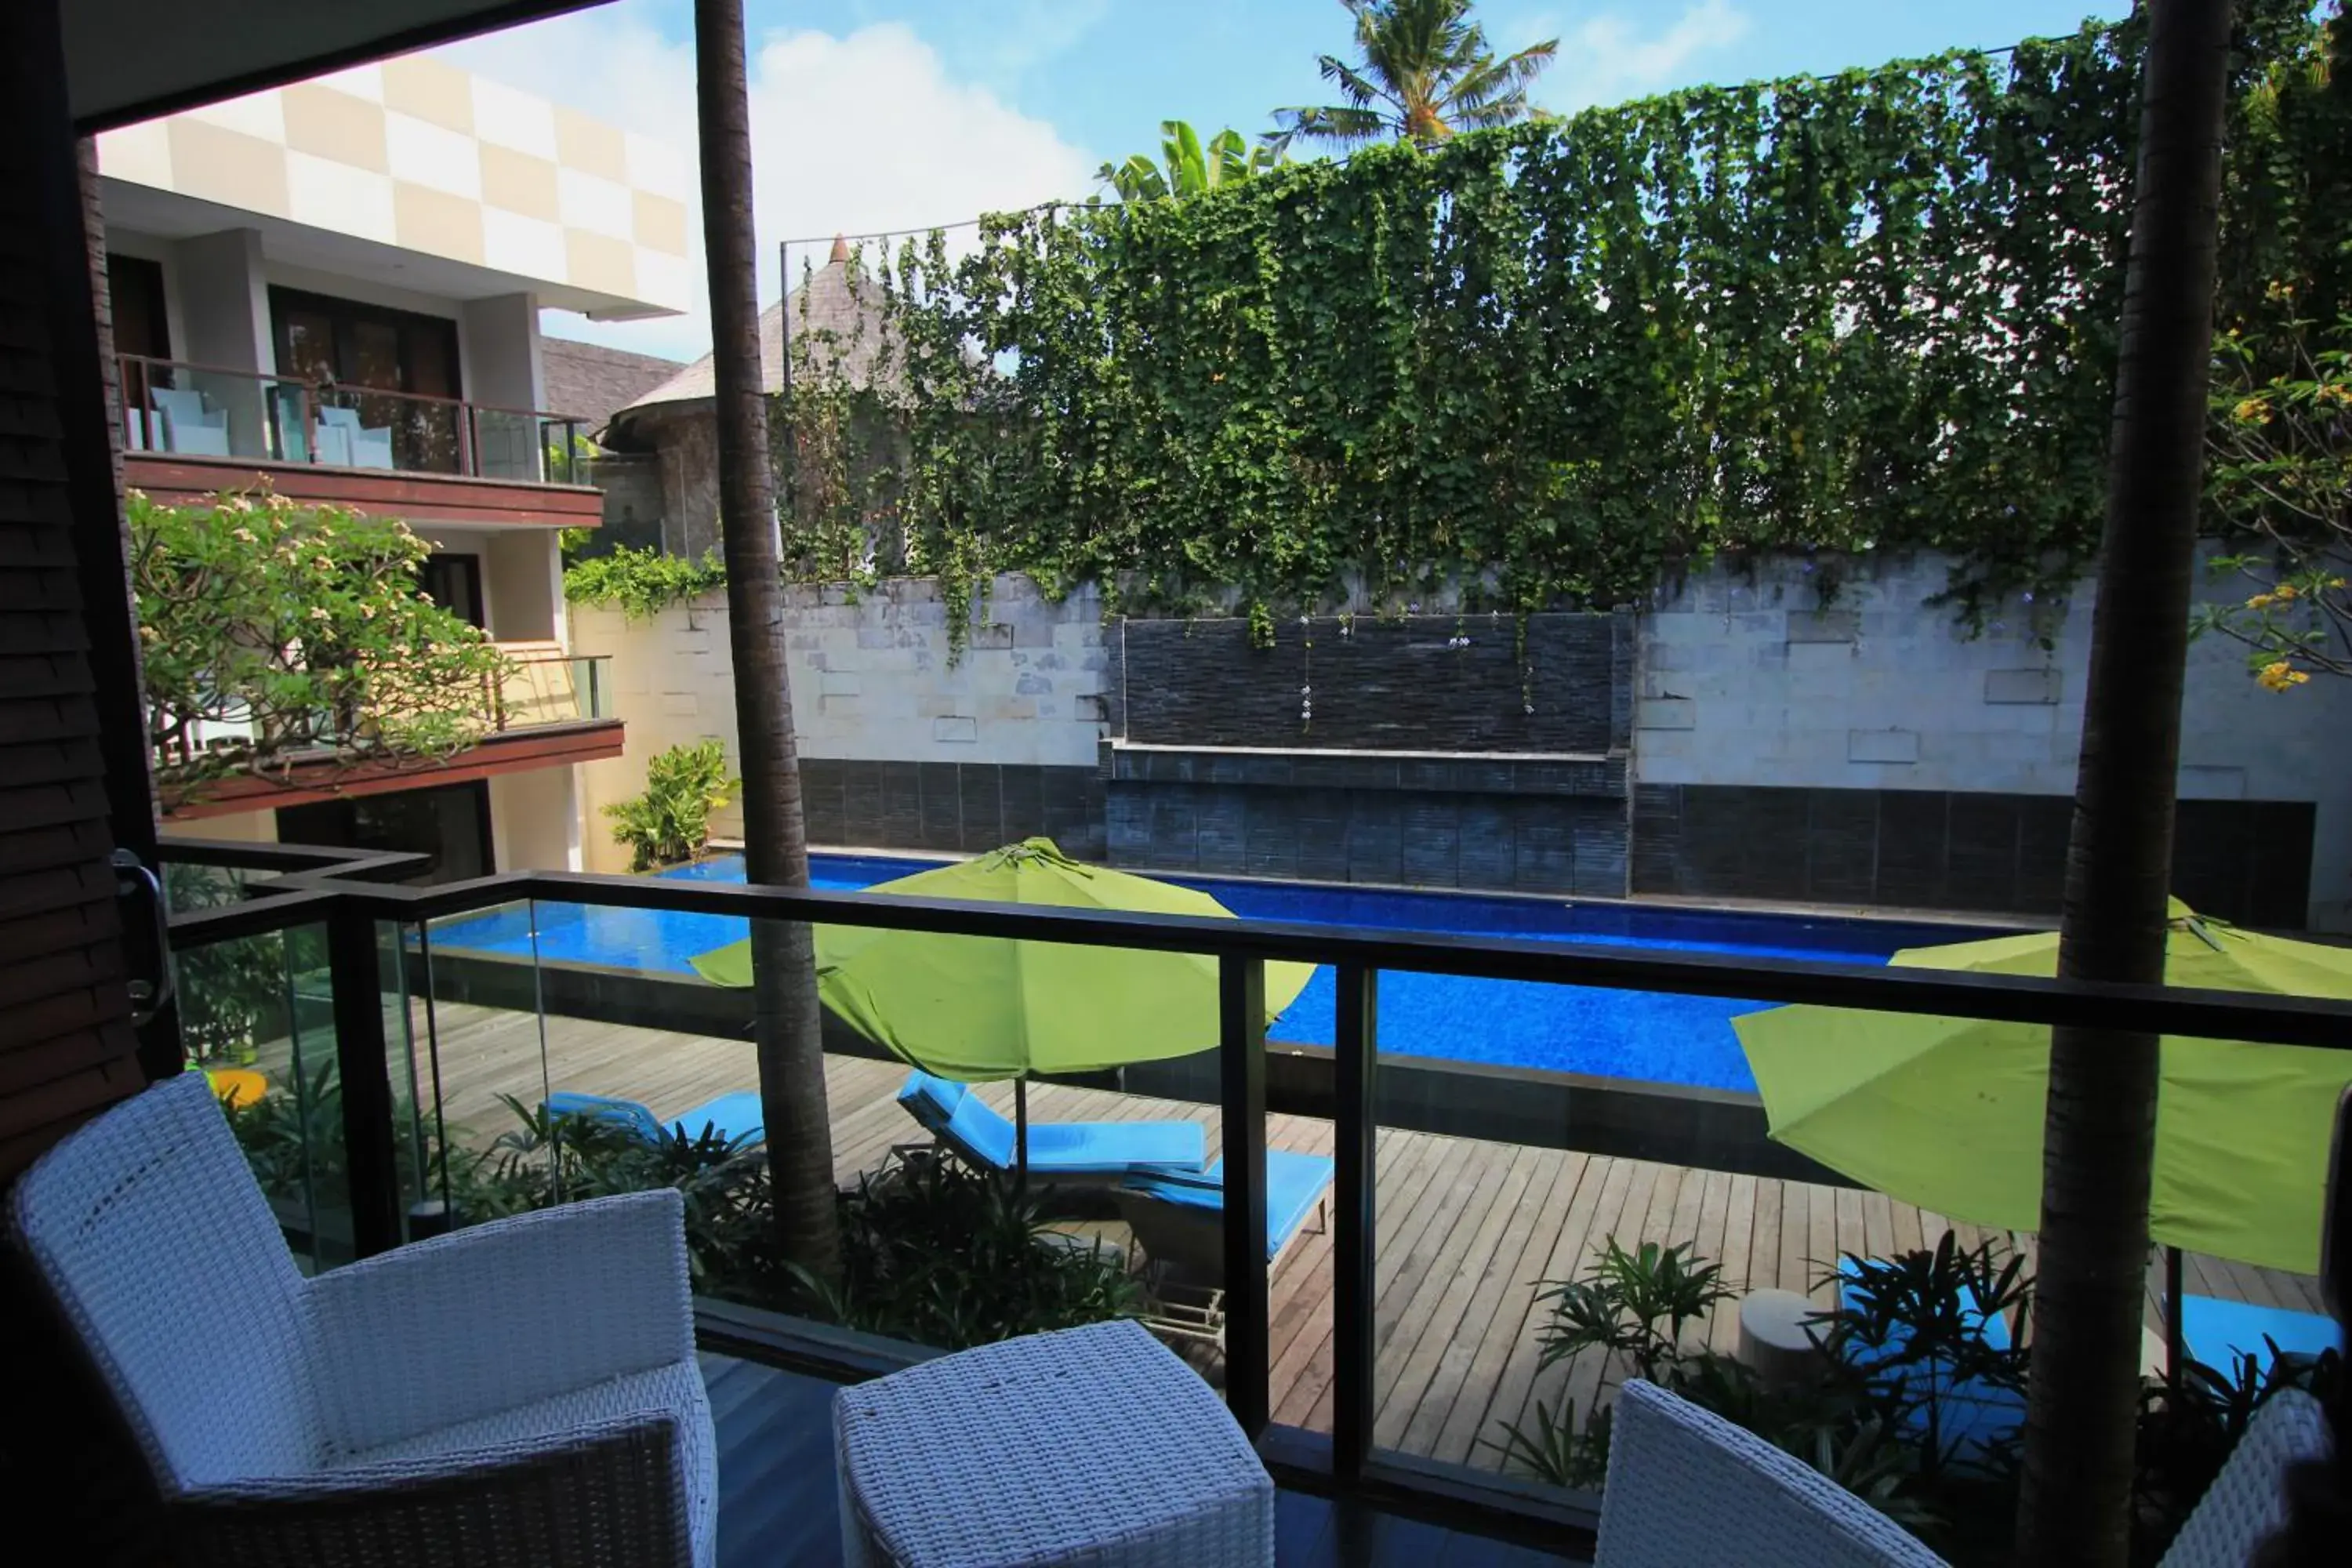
x=1021, y=1136
x=2176, y=1358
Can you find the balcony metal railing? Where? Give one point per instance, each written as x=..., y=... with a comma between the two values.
x=212, y=411
x=334, y=896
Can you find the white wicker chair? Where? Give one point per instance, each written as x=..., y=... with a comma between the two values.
x=1687, y=1486
x=2246, y=1503
x=522, y=1391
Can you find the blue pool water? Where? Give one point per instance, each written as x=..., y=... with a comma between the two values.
x=1638, y=1034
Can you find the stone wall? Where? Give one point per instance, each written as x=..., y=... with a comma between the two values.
x=1862, y=751
x=1866, y=749
x=900, y=750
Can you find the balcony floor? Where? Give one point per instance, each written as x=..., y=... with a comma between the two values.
x=1467, y=1227
x=777, y=1507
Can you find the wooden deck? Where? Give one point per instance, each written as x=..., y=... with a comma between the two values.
x=1465, y=1226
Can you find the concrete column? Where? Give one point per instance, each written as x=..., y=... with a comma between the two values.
x=498, y=344
x=225, y=320
x=523, y=585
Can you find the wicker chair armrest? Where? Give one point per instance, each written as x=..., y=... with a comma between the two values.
x=501, y=1315
x=603, y=1495
x=1683, y=1481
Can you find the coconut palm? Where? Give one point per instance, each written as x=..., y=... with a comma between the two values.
x=785, y=1015
x=1426, y=72
x=1190, y=166
x=2099, y=1132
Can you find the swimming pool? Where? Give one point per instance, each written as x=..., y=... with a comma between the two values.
x=1639, y=1035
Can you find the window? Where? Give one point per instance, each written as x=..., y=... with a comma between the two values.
x=140, y=324
x=361, y=354
x=454, y=582
x=450, y=823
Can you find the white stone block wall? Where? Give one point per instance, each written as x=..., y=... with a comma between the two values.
x=870, y=681
x=1747, y=678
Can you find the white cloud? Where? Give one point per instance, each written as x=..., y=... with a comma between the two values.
x=853, y=133
x=1604, y=59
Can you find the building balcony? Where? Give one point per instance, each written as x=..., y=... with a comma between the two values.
x=552, y=709
x=190, y=431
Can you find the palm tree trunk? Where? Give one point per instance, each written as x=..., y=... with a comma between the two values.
x=2099, y=1134
x=783, y=964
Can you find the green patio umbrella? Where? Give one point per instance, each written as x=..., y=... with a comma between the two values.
x=1946, y=1114
x=979, y=1009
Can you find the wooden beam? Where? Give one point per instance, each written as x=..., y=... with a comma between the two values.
x=413, y=497
x=520, y=751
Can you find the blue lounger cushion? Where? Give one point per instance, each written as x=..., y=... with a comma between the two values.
x=1975, y=1415
x=736, y=1117
x=1295, y=1184
x=950, y=1112
x=2217, y=1331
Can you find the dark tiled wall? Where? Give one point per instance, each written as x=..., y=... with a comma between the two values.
x=1389, y=686
x=1545, y=843
x=963, y=808
x=2243, y=860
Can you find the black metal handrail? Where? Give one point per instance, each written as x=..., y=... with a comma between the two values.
x=340, y=890
x=2262, y=1017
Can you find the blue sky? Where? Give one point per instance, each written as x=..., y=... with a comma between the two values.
x=887, y=113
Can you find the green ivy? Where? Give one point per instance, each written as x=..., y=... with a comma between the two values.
x=641, y=583
x=1554, y=365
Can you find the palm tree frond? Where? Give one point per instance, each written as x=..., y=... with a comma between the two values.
x=1343, y=125
x=1431, y=64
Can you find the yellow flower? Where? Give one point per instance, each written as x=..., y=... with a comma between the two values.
x=2251, y=411
x=2336, y=581
x=2262, y=601
x=2287, y=592
x=2280, y=676
x=2336, y=392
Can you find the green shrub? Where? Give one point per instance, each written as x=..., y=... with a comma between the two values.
x=642, y=583
x=670, y=822
x=938, y=1254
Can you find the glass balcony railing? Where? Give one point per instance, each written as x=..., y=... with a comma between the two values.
x=1368, y=1273
x=544, y=684
x=212, y=411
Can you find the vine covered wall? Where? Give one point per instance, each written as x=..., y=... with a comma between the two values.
x=1555, y=365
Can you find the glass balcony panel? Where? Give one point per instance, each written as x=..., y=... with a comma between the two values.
x=203, y=412
x=544, y=685
x=484, y=1142
x=257, y=1017
x=507, y=446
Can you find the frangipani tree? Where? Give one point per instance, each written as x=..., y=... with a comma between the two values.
x=274, y=632
x=2281, y=451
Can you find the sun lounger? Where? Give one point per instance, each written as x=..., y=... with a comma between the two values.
x=1179, y=1218
x=1975, y=1416
x=735, y=1117
x=985, y=1139
x=2218, y=1332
